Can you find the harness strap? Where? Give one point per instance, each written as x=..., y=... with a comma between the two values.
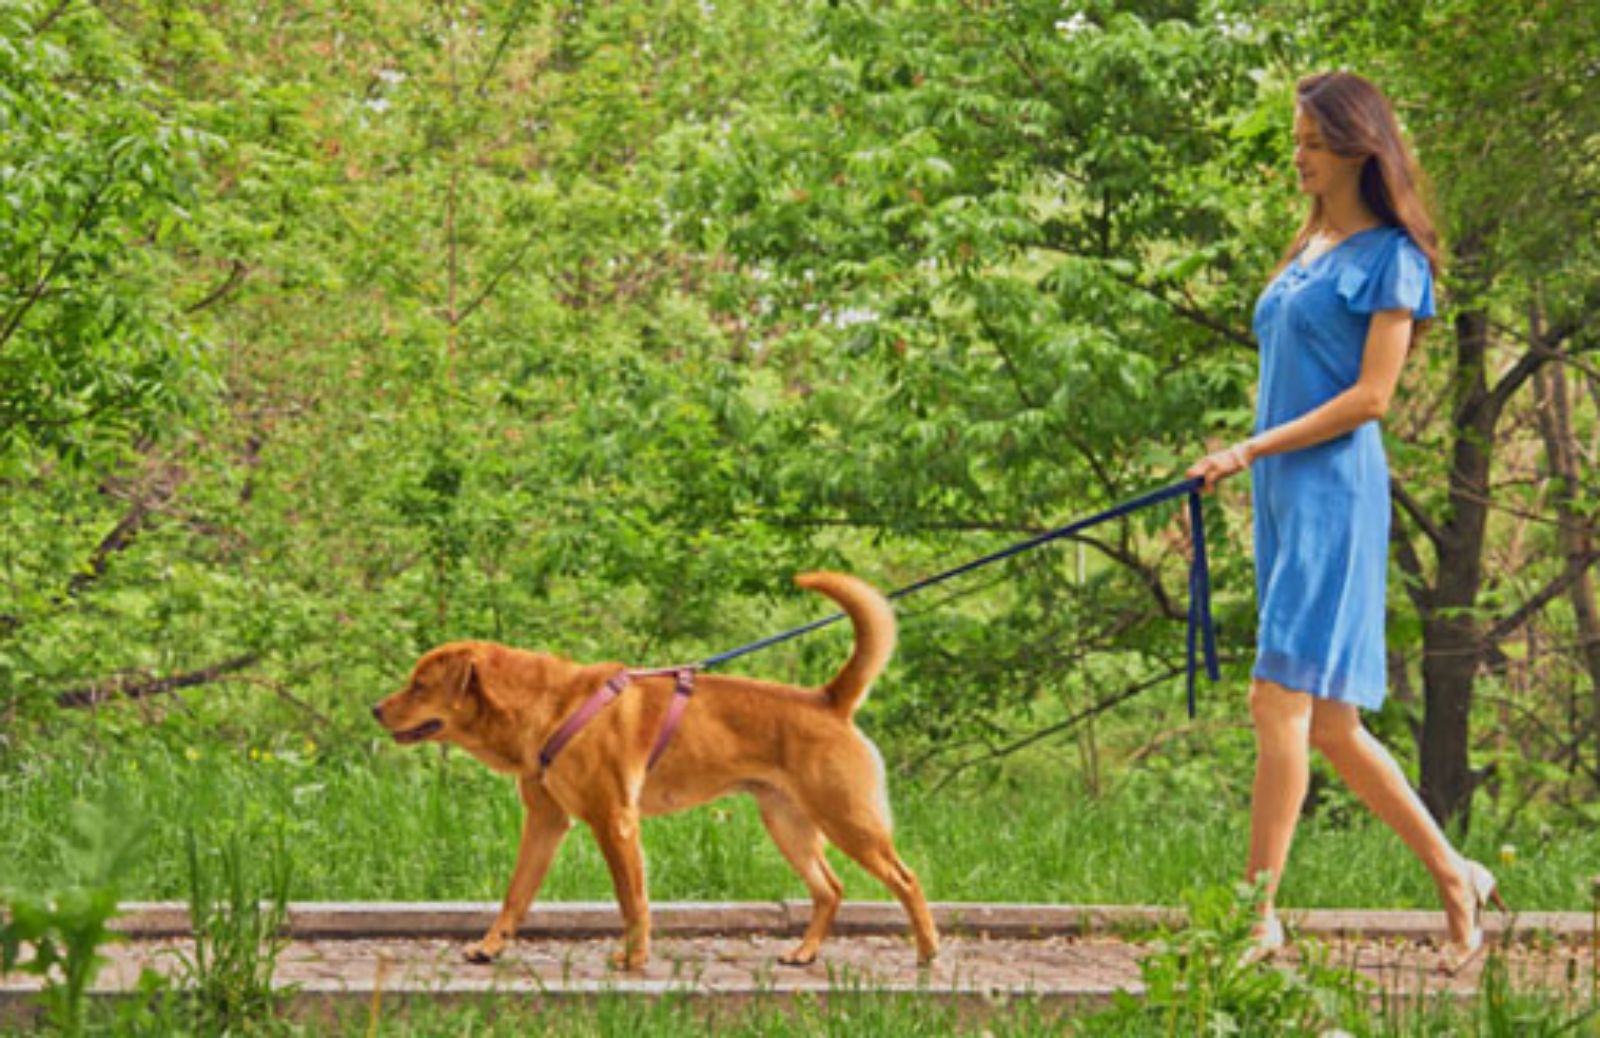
x=680, y=702
x=586, y=713
x=682, y=691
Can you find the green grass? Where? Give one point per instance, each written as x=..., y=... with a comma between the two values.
x=363, y=819
x=372, y=821
x=846, y=1012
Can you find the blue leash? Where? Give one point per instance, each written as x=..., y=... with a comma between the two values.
x=1200, y=626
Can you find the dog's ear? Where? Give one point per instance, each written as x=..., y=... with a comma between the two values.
x=463, y=679
x=466, y=683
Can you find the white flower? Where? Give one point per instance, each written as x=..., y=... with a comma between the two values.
x=851, y=315
x=1233, y=28
x=1079, y=22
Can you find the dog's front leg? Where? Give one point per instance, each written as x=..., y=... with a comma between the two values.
x=543, y=826
x=618, y=835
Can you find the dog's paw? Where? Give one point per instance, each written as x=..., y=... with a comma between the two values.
x=801, y=956
x=629, y=962
x=484, y=952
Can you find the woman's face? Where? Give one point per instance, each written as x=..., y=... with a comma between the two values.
x=1322, y=172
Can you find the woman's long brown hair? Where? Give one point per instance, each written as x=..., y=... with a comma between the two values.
x=1355, y=119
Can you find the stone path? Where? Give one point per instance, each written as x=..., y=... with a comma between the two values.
x=1051, y=952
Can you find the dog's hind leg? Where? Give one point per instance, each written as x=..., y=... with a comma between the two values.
x=870, y=845
x=617, y=832
x=802, y=845
x=543, y=827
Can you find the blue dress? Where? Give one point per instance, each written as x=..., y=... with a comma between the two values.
x=1322, y=513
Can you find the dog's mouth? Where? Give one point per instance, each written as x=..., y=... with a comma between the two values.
x=420, y=732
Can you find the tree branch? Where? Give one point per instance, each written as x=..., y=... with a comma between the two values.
x=1406, y=554
x=236, y=274
x=1414, y=509
x=496, y=278
x=1576, y=567
x=14, y=320
x=1513, y=380
x=116, y=541
x=99, y=692
x=1085, y=714
x=1192, y=314
x=50, y=19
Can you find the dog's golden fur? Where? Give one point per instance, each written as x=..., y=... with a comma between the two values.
x=816, y=777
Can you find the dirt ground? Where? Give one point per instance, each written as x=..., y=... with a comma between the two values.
x=1089, y=967
x=1059, y=954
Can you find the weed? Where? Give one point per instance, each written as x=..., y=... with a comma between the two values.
x=238, y=932
x=56, y=933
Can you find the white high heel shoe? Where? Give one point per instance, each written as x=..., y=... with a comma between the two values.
x=1268, y=941
x=1455, y=955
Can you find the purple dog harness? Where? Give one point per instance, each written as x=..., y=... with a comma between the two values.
x=611, y=690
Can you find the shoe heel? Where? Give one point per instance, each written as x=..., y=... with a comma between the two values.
x=1455, y=956
x=1485, y=888
x=1269, y=940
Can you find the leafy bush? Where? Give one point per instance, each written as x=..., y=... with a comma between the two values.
x=56, y=933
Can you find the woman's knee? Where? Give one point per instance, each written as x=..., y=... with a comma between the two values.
x=1335, y=727
x=1276, y=709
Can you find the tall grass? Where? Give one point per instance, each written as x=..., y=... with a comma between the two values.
x=378, y=822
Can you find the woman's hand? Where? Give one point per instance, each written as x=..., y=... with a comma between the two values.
x=1224, y=463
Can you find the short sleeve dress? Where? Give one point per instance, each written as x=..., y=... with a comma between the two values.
x=1322, y=513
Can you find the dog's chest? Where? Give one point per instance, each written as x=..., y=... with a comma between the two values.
x=494, y=759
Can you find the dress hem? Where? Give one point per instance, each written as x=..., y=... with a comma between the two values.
x=1302, y=676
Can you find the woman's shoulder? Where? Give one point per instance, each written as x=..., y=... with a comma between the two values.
x=1381, y=240
x=1387, y=270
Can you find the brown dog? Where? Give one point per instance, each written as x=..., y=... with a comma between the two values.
x=815, y=776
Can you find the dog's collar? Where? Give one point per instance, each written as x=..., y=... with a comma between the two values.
x=611, y=690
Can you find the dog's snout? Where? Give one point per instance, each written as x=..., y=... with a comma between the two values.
x=377, y=712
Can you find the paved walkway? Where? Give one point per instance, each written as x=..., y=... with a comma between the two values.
x=1052, y=952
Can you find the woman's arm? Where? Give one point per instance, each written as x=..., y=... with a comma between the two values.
x=1388, y=339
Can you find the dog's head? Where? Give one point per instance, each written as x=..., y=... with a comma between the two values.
x=445, y=699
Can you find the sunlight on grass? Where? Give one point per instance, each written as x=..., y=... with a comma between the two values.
x=383, y=824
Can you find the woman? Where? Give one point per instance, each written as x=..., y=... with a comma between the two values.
x=1334, y=325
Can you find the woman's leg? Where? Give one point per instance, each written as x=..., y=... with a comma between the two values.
x=1283, y=728
x=1372, y=774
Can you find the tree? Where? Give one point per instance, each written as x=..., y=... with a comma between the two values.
x=97, y=172
x=1518, y=195
x=997, y=259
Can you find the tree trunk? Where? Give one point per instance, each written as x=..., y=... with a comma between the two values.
x=1450, y=642
x=1577, y=542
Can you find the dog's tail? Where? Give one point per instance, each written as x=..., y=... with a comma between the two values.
x=873, y=618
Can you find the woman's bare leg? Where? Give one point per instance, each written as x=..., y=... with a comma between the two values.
x=1372, y=774
x=1283, y=729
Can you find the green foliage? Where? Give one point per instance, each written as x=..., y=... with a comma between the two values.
x=584, y=327
x=1198, y=983
x=535, y=308
x=97, y=178
x=238, y=903
x=55, y=931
